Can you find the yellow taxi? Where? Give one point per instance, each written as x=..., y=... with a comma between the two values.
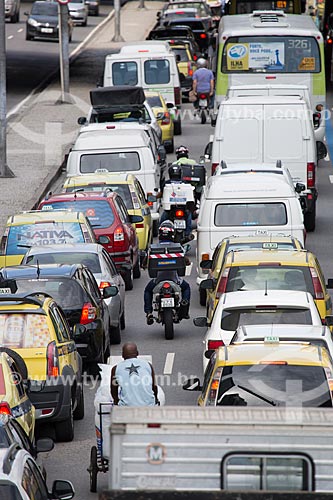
x=160, y=107
x=131, y=191
x=267, y=374
x=35, y=328
x=47, y=227
x=13, y=397
x=271, y=270
x=213, y=266
x=186, y=62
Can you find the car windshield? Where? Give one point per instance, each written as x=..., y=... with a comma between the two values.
x=274, y=384
x=99, y=213
x=194, y=25
x=270, y=276
x=250, y=214
x=22, y=237
x=18, y=331
x=233, y=318
x=125, y=161
x=122, y=189
x=45, y=9
x=201, y=7
x=182, y=53
x=9, y=490
x=68, y=293
x=90, y=260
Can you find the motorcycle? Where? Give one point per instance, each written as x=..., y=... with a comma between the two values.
x=174, y=201
x=167, y=303
x=203, y=106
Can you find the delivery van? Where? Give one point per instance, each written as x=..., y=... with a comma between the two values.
x=246, y=204
x=267, y=129
x=150, y=65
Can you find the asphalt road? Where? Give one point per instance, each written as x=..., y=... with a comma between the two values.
x=173, y=360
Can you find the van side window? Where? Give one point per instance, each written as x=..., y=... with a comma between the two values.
x=157, y=71
x=125, y=73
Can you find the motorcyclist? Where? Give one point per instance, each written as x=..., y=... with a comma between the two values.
x=166, y=234
x=175, y=177
x=182, y=154
x=203, y=82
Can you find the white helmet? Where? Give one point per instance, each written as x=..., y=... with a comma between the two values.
x=201, y=63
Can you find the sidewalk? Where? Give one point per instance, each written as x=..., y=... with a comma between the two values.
x=43, y=130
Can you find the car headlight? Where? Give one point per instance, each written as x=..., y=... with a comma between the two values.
x=33, y=22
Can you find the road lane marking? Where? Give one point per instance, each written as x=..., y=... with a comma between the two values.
x=20, y=30
x=10, y=37
x=170, y=357
x=331, y=178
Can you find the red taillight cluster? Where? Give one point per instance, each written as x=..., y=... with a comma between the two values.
x=166, y=289
x=223, y=283
x=214, y=387
x=203, y=35
x=149, y=203
x=88, y=313
x=166, y=119
x=179, y=213
x=329, y=41
x=318, y=289
x=214, y=167
x=189, y=69
x=119, y=239
x=5, y=408
x=52, y=360
x=311, y=175
x=215, y=344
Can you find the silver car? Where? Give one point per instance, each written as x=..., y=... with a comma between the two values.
x=78, y=10
x=96, y=258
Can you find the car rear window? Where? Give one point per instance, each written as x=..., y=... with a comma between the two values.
x=90, y=260
x=194, y=25
x=274, y=385
x=270, y=276
x=157, y=71
x=154, y=101
x=98, y=212
x=125, y=73
x=21, y=330
x=122, y=189
x=232, y=318
x=259, y=245
x=67, y=292
x=45, y=9
x=111, y=162
x=22, y=237
x=250, y=214
x=182, y=53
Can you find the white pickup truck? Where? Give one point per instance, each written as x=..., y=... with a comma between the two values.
x=211, y=449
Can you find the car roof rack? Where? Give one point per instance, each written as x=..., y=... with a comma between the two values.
x=31, y=298
x=10, y=457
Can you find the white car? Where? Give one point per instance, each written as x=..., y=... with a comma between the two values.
x=78, y=10
x=97, y=259
x=317, y=335
x=256, y=307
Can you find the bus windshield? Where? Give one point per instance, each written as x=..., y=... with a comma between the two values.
x=272, y=54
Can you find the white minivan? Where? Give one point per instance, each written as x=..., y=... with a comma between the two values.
x=151, y=65
x=246, y=204
x=265, y=129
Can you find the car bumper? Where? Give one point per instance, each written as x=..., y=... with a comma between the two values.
x=39, y=32
x=52, y=403
x=78, y=18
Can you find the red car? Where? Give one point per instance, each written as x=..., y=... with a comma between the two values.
x=111, y=224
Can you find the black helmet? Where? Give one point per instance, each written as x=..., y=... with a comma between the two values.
x=175, y=172
x=166, y=231
x=182, y=152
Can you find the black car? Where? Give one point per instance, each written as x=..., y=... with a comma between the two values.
x=75, y=290
x=178, y=33
x=201, y=28
x=43, y=22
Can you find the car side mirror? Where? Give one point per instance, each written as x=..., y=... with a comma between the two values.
x=329, y=320
x=170, y=105
x=208, y=353
x=82, y=120
x=299, y=187
x=78, y=330
x=45, y=444
x=329, y=283
x=207, y=285
x=109, y=291
x=63, y=490
x=103, y=240
x=206, y=264
x=208, y=150
x=135, y=218
x=201, y=321
x=192, y=384
x=321, y=150
x=159, y=116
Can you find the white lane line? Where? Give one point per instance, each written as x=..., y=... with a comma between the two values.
x=170, y=357
x=331, y=178
x=20, y=30
x=10, y=37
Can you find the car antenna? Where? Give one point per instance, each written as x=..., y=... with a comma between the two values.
x=266, y=288
x=38, y=269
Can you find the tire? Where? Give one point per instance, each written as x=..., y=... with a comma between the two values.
x=168, y=324
x=203, y=297
x=106, y=353
x=177, y=130
x=64, y=430
x=128, y=279
x=93, y=469
x=122, y=321
x=115, y=337
x=28, y=37
x=79, y=410
x=155, y=228
x=19, y=361
x=171, y=147
x=85, y=23
x=310, y=220
x=97, y=12
x=136, y=270
x=203, y=116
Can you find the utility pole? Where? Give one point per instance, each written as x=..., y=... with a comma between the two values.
x=4, y=169
x=142, y=4
x=117, y=35
x=64, y=49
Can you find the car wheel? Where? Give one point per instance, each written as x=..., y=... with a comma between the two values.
x=170, y=148
x=79, y=410
x=28, y=37
x=128, y=279
x=203, y=297
x=19, y=361
x=85, y=23
x=137, y=270
x=64, y=430
x=115, y=337
x=310, y=220
x=156, y=224
x=177, y=127
x=106, y=353
x=122, y=321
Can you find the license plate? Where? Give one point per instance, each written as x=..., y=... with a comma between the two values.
x=5, y=291
x=179, y=224
x=203, y=102
x=46, y=30
x=169, y=302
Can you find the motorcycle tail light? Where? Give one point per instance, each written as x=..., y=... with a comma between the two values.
x=166, y=285
x=179, y=213
x=202, y=96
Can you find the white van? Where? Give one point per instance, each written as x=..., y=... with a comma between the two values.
x=151, y=65
x=267, y=129
x=246, y=204
x=117, y=150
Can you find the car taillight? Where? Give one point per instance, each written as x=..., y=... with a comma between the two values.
x=318, y=289
x=214, y=167
x=223, y=283
x=119, y=237
x=329, y=41
x=203, y=35
x=52, y=360
x=214, y=388
x=195, y=57
x=139, y=225
x=189, y=68
x=149, y=203
x=205, y=256
x=166, y=119
x=179, y=213
x=215, y=344
x=104, y=284
x=5, y=409
x=178, y=100
x=311, y=174
x=88, y=313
